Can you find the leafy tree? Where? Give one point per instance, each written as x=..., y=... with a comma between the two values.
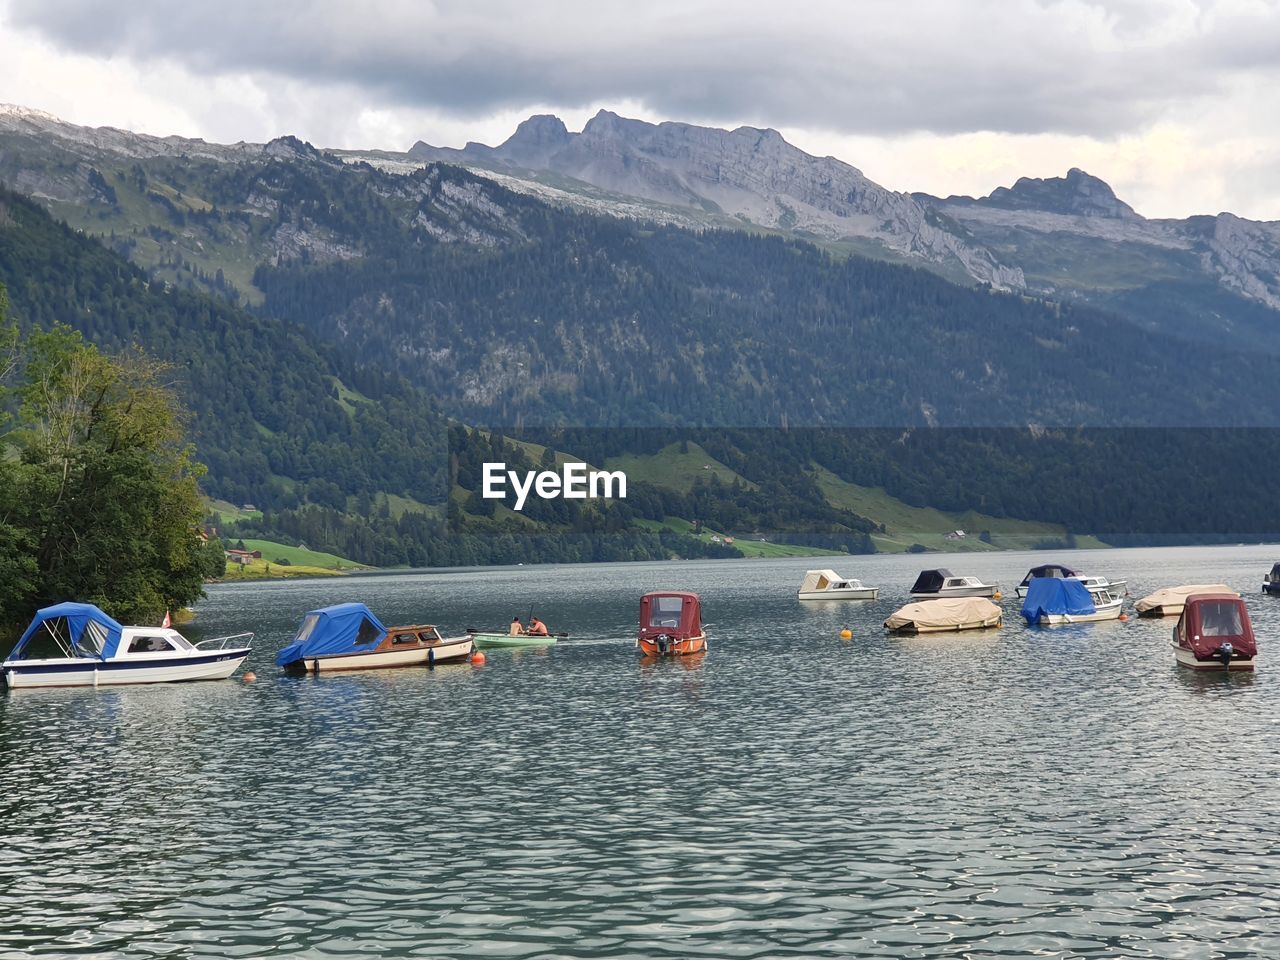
x=104, y=495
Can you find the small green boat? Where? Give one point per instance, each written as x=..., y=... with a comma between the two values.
x=489, y=641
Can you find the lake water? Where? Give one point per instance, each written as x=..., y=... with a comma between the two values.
x=1010, y=793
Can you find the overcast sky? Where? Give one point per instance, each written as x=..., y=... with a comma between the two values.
x=1173, y=102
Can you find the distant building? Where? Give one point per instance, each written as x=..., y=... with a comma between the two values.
x=956, y=535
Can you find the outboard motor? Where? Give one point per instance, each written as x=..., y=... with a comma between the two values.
x=1224, y=653
x=664, y=643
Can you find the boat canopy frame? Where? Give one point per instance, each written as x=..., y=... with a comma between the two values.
x=683, y=621
x=79, y=630
x=931, y=581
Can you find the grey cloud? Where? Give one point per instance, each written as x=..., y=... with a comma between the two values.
x=880, y=67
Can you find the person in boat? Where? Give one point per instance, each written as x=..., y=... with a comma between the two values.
x=517, y=628
x=537, y=628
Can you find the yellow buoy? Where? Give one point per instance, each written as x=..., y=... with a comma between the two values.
x=997, y=595
x=846, y=634
x=250, y=677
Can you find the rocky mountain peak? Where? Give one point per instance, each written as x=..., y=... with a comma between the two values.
x=1078, y=194
x=535, y=140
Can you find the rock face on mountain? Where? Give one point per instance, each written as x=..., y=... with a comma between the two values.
x=742, y=175
x=1076, y=194
x=1072, y=236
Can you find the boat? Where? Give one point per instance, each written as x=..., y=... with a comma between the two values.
x=77, y=645
x=948, y=614
x=1054, y=601
x=1271, y=581
x=1169, y=601
x=1056, y=571
x=939, y=584
x=670, y=625
x=1117, y=588
x=829, y=585
x=347, y=636
x=487, y=641
x=1214, y=633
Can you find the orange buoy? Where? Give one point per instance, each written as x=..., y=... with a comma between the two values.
x=846, y=634
x=1124, y=616
x=997, y=595
x=478, y=657
x=250, y=677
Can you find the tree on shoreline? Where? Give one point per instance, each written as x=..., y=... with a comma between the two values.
x=101, y=503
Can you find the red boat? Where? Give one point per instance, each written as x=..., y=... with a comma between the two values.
x=1214, y=633
x=671, y=625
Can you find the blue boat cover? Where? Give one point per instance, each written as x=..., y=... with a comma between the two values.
x=101, y=641
x=1046, y=595
x=343, y=628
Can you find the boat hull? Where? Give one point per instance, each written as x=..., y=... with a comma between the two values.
x=1271, y=588
x=865, y=593
x=447, y=651
x=1188, y=659
x=916, y=628
x=985, y=591
x=83, y=672
x=1110, y=611
x=497, y=641
x=674, y=648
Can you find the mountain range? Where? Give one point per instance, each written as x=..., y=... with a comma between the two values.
x=337, y=310
x=1061, y=237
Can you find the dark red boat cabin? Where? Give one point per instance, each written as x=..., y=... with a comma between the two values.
x=678, y=615
x=1210, y=620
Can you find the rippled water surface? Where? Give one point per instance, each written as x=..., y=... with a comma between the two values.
x=1012, y=793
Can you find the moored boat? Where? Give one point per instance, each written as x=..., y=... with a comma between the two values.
x=1271, y=581
x=487, y=641
x=1054, y=571
x=1055, y=601
x=1214, y=633
x=1117, y=588
x=77, y=645
x=347, y=636
x=829, y=585
x=941, y=584
x=945, y=615
x=1168, y=602
x=671, y=625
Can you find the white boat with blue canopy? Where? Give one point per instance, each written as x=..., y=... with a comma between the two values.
x=1055, y=601
x=77, y=645
x=347, y=636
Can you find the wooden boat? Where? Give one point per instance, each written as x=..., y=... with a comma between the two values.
x=829, y=585
x=348, y=636
x=487, y=641
x=945, y=615
x=1169, y=601
x=1214, y=633
x=941, y=584
x=1056, y=601
x=1271, y=581
x=670, y=625
x=77, y=645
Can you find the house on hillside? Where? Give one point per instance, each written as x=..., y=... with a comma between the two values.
x=956, y=535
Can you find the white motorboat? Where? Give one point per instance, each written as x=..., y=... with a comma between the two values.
x=829, y=585
x=1117, y=588
x=942, y=584
x=77, y=645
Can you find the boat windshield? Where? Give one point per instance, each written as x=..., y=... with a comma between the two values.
x=1220, y=619
x=665, y=611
